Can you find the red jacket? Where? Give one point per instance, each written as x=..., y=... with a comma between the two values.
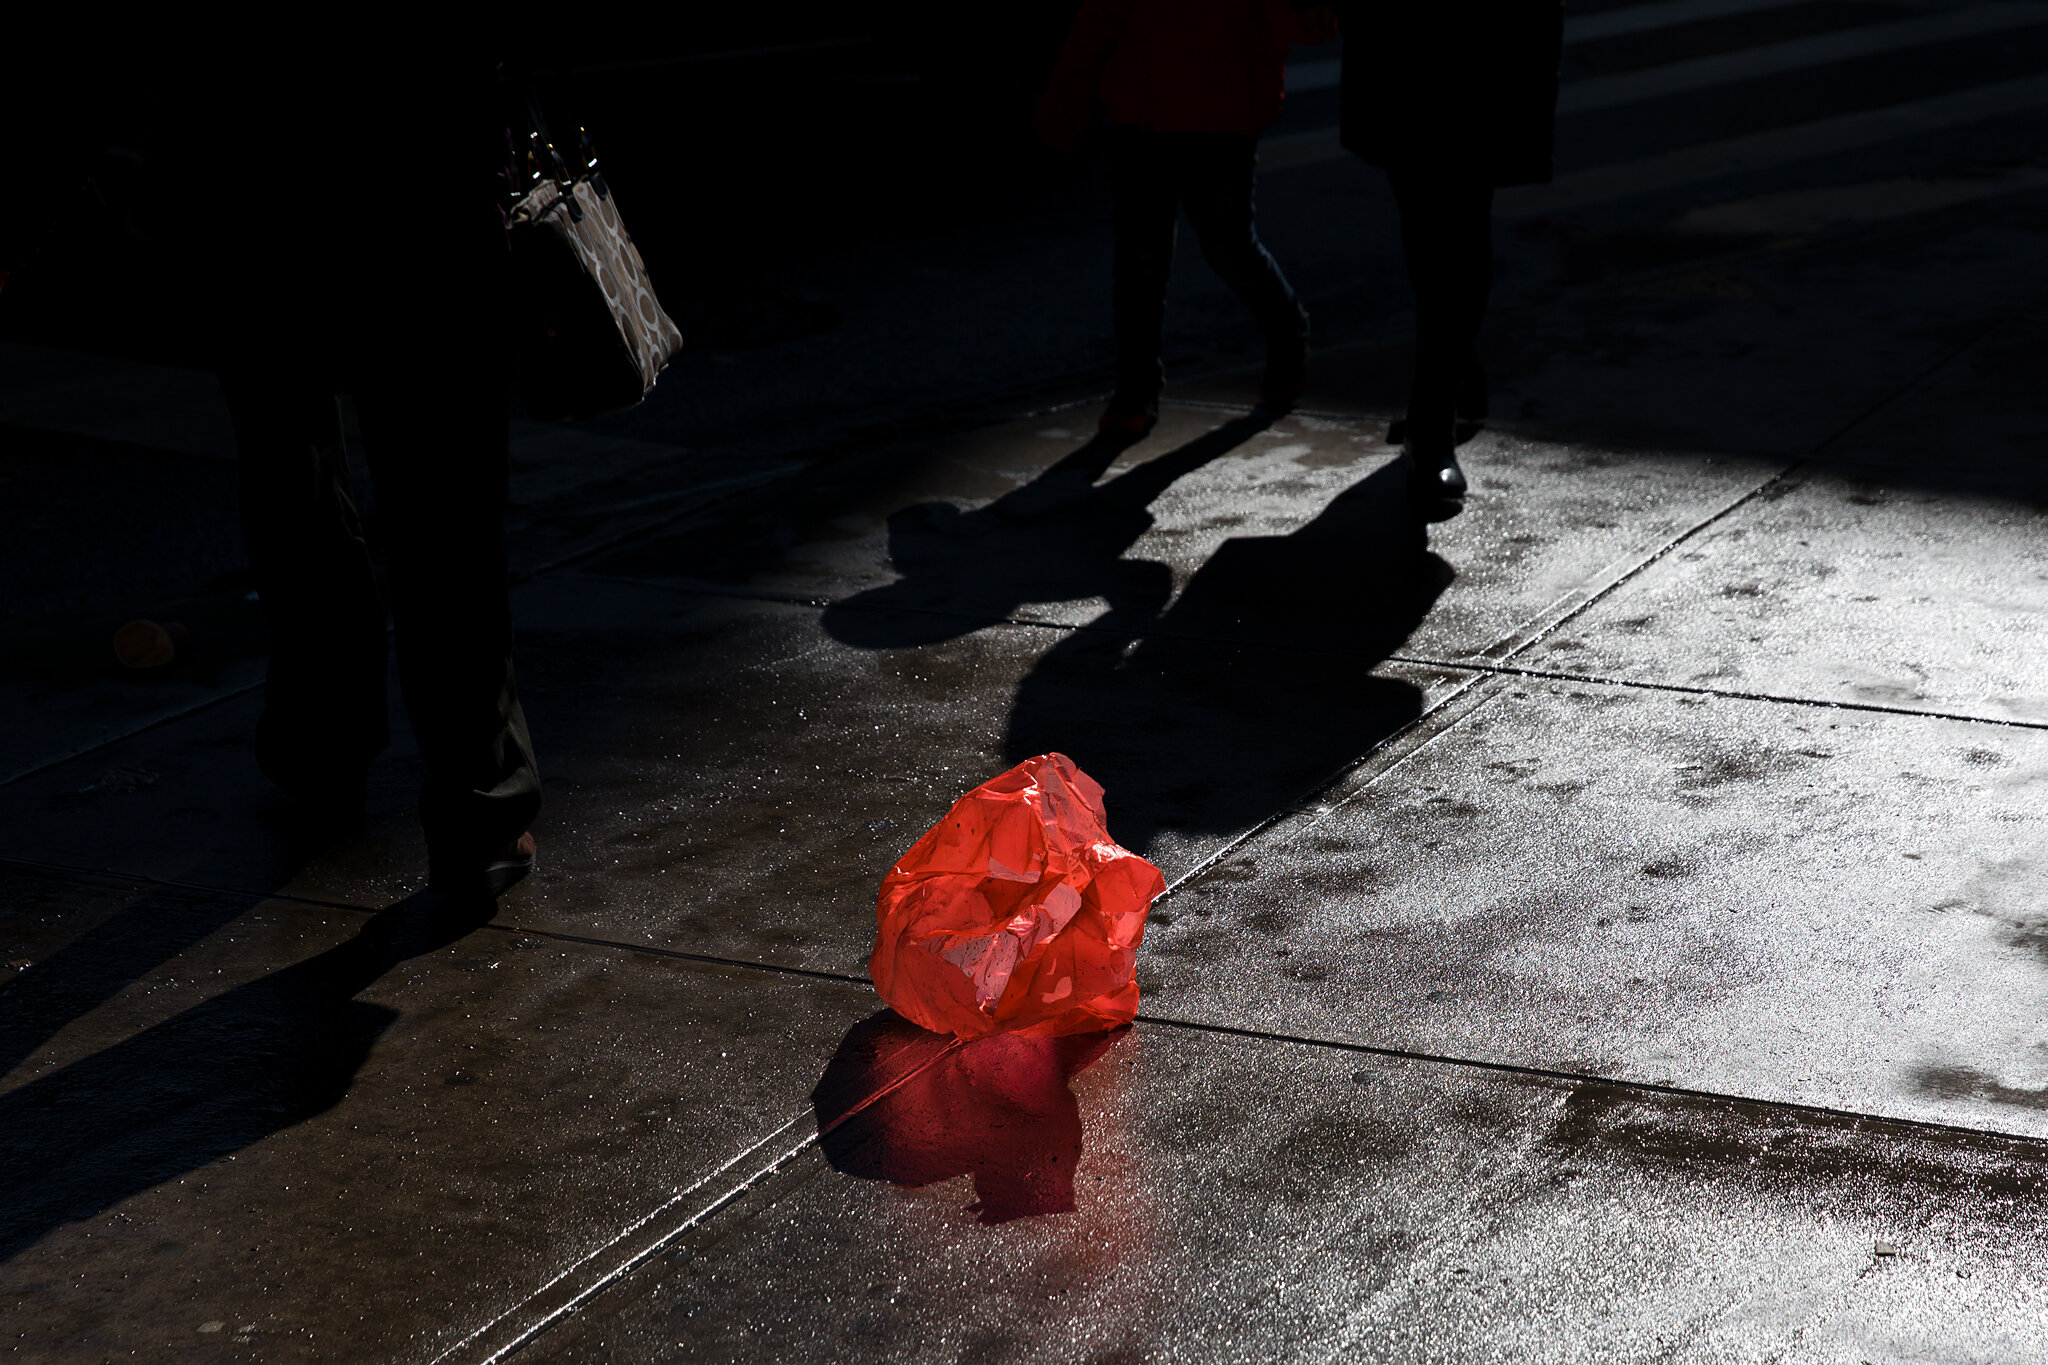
x=1171, y=66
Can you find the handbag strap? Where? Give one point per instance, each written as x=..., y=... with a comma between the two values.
x=545, y=159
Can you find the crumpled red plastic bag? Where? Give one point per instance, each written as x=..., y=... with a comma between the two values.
x=1017, y=913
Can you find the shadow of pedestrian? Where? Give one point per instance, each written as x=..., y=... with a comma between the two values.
x=208, y=1082
x=1059, y=538
x=1206, y=712
x=1256, y=685
x=901, y=1104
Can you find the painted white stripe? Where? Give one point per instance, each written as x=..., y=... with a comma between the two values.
x=1604, y=92
x=1776, y=147
x=1615, y=23
x=1832, y=207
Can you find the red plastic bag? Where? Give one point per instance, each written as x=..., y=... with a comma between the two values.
x=1017, y=913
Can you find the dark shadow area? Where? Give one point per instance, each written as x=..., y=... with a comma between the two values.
x=1261, y=669
x=1256, y=684
x=209, y=1082
x=1059, y=538
x=998, y=1109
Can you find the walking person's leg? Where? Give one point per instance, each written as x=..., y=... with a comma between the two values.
x=436, y=431
x=1146, y=212
x=324, y=715
x=1446, y=237
x=1217, y=184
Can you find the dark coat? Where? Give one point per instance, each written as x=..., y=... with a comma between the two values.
x=276, y=187
x=1466, y=89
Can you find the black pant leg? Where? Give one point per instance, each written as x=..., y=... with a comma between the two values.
x=436, y=432
x=1447, y=238
x=1217, y=185
x=1146, y=211
x=324, y=712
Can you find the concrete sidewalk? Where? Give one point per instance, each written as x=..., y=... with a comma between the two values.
x=1604, y=926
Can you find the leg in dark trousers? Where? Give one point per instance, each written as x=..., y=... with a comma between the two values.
x=1447, y=237
x=324, y=706
x=1145, y=204
x=1217, y=172
x=436, y=437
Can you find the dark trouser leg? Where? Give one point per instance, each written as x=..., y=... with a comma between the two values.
x=1447, y=237
x=1218, y=172
x=324, y=707
x=436, y=436
x=1146, y=211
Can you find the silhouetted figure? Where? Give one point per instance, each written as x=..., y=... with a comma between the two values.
x=1188, y=86
x=1453, y=98
x=358, y=247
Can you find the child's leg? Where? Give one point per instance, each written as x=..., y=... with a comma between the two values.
x=1217, y=176
x=1146, y=212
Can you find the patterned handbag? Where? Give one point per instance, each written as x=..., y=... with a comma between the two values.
x=592, y=337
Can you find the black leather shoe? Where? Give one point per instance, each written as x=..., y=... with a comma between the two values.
x=1434, y=477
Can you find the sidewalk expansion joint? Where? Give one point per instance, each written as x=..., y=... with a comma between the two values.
x=1608, y=581
x=545, y=1308
x=1723, y=693
x=1162, y=1021
x=1376, y=763
x=1862, y=1118
x=166, y=718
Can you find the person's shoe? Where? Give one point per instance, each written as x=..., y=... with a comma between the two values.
x=1434, y=478
x=487, y=878
x=1129, y=414
x=1285, y=379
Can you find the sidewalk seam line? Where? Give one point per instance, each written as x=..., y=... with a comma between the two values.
x=1588, y=1079
x=168, y=718
x=1267, y=1035
x=1630, y=574
x=1726, y=694
x=724, y=1201
x=624, y=1232
x=1304, y=802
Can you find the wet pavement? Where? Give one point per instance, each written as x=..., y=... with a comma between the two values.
x=1604, y=925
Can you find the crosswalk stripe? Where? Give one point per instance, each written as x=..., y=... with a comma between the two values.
x=1604, y=92
x=1616, y=23
x=1324, y=74
x=1800, y=212
x=1777, y=146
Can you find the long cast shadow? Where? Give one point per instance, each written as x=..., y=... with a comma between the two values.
x=1200, y=713
x=998, y=1109
x=1059, y=538
x=1256, y=684
x=206, y=1083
